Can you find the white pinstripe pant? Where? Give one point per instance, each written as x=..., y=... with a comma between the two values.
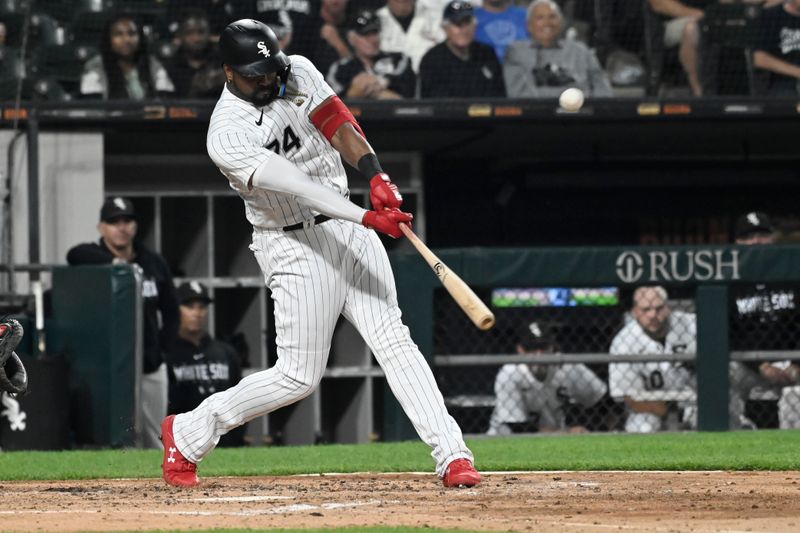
x=315, y=275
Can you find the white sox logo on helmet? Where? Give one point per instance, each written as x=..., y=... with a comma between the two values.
x=262, y=49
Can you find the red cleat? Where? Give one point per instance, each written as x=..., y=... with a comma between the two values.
x=461, y=473
x=178, y=471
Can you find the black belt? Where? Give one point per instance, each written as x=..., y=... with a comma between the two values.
x=319, y=219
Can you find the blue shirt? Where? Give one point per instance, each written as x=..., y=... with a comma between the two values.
x=501, y=29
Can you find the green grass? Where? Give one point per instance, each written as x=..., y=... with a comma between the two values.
x=756, y=450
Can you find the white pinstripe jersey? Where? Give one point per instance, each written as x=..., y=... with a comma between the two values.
x=626, y=379
x=242, y=136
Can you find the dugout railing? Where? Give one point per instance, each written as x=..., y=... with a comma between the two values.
x=709, y=271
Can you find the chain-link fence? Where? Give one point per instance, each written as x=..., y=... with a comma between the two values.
x=143, y=49
x=606, y=359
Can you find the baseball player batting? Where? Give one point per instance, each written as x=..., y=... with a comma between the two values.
x=279, y=134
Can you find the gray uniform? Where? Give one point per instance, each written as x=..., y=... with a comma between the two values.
x=629, y=379
x=519, y=393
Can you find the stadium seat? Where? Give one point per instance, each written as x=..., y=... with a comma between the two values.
x=87, y=27
x=660, y=62
x=64, y=10
x=36, y=90
x=43, y=29
x=62, y=63
x=14, y=6
x=164, y=50
x=10, y=64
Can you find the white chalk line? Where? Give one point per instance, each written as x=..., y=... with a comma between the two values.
x=283, y=509
x=241, y=499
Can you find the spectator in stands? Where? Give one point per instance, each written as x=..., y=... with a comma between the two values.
x=124, y=69
x=200, y=366
x=534, y=397
x=655, y=329
x=220, y=13
x=332, y=43
x=118, y=244
x=683, y=30
x=460, y=67
x=281, y=24
x=195, y=68
x=777, y=49
x=547, y=64
x=410, y=28
x=766, y=318
x=304, y=16
x=371, y=72
x=500, y=23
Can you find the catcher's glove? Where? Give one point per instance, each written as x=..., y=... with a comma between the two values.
x=13, y=377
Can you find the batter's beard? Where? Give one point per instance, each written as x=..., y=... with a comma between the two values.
x=268, y=95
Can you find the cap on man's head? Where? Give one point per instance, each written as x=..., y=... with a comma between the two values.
x=116, y=207
x=753, y=223
x=191, y=291
x=537, y=336
x=458, y=11
x=364, y=22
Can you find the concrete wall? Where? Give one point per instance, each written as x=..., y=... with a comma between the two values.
x=70, y=195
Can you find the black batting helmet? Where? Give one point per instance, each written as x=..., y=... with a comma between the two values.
x=250, y=48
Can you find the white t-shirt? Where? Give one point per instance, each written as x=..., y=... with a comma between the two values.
x=518, y=393
x=423, y=33
x=627, y=379
x=241, y=137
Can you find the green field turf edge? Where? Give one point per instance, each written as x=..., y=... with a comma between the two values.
x=753, y=450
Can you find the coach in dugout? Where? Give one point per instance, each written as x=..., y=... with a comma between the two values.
x=117, y=244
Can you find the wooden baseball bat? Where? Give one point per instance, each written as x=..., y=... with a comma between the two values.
x=469, y=302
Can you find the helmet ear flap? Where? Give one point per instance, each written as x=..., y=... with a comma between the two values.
x=283, y=74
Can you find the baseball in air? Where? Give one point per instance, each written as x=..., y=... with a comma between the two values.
x=571, y=100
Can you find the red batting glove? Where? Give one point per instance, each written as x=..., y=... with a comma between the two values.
x=384, y=193
x=387, y=221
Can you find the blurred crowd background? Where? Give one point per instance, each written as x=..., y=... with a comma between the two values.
x=387, y=49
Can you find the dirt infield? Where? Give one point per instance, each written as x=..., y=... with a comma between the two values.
x=552, y=502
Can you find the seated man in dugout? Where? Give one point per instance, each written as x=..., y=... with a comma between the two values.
x=661, y=395
x=546, y=65
x=536, y=397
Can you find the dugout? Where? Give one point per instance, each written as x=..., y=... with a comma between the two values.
x=622, y=172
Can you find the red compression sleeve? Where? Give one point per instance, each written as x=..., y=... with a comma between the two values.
x=332, y=115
